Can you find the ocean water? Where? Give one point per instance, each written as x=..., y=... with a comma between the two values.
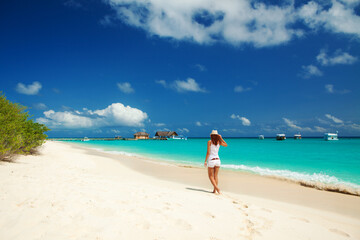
x=331, y=165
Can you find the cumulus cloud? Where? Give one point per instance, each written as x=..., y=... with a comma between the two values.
x=335, y=16
x=339, y=57
x=115, y=114
x=125, y=87
x=238, y=22
x=309, y=71
x=334, y=119
x=31, y=89
x=330, y=89
x=240, y=89
x=198, y=124
x=244, y=120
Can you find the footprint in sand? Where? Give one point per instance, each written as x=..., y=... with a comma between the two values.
x=337, y=231
x=301, y=219
x=266, y=210
x=210, y=215
x=144, y=225
x=183, y=224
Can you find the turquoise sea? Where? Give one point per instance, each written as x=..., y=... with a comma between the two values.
x=309, y=160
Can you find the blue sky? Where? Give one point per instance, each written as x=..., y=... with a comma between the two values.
x=115, y=67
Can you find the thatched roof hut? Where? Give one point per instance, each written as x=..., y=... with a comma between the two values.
x=141, y=135
x=165, y=134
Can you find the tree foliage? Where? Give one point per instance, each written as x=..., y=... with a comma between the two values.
x=18, y=133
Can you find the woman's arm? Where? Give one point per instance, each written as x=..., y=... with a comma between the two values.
x=207, y=153
x=222, y=142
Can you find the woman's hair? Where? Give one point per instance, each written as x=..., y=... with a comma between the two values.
x=215, y=139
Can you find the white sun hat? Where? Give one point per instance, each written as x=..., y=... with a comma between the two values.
x=214, y=132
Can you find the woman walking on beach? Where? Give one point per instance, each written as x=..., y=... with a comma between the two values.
x=212, y=159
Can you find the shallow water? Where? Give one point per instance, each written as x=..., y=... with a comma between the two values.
x=310, y=160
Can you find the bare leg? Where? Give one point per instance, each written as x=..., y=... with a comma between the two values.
x=212, y=179
x=216, y=173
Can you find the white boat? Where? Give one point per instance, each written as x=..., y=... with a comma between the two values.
x=261, y=137
x=177, y=138
x=85, y=139
x=331, y=136
x=280, y=136
x=297, y=136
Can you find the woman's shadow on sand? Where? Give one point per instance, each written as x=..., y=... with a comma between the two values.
x=199, y=190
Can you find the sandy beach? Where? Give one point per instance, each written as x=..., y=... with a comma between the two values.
x=69, y=192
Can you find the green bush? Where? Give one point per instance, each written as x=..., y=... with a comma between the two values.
x=18, y=133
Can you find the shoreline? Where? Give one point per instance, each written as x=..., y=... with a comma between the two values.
x=71, y=192
x=273, y=188
x=336, y=188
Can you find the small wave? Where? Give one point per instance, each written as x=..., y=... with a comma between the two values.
x=116, y=152
x=316, y=180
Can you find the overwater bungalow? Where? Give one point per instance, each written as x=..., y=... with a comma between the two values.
x=165, y=134
x=141, y=135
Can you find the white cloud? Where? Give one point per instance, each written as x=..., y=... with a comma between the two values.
x=330, y=89
x=205, y=22
x=319, y=129
x=335, y=16
x=198, y=124
x=236, y=22
x=339, y=57
x=73, y=4
x=40, y=106
x=200, y=67
x=241, y=89
x=65, y=120
x=292, y=124
x=116, y=131
x=162, y=82
x=190, y=85
x=115, y=114
x=159, y=124
x=183, y=130
x=244, y=120
x=310, y=70
x=335, y=119
x=31, y=89
x=125, y=87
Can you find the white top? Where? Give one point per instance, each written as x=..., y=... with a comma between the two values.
x=214, y=151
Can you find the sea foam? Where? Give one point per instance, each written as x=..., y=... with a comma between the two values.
x=316, y=180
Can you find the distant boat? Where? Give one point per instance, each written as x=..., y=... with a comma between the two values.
x=261, y=137
x=177, y=138
x=85, y=139
x=280, y=136
x=297, y=136
x=331, y=136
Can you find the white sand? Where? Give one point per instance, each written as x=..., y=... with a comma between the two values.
x=66, y=193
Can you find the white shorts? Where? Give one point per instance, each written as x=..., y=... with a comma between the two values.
x=214, y=163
